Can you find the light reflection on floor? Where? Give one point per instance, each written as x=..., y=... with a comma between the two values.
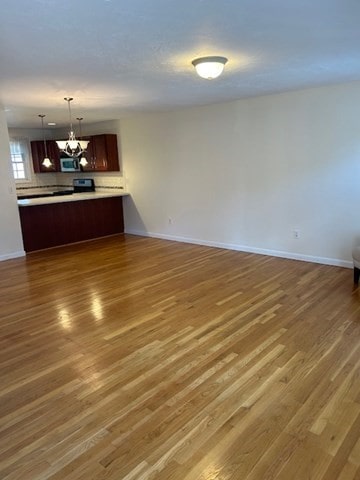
x=64, y=316
x=65, y=319
x=96, y=308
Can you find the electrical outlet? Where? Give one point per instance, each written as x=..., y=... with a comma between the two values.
x=296, y=233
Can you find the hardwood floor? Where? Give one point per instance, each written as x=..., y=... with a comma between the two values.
x=132, y=358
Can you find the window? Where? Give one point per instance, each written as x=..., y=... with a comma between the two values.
x=19, y=151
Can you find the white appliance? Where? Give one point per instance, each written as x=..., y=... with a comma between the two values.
x=69, y=164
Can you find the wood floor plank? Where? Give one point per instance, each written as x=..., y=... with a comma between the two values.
x=132, y=358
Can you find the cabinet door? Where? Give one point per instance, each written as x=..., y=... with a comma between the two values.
x=88, y=155
x=113, y=164
x=99, y=153
x=102, y=154
x=38, y=155
x=95, y=154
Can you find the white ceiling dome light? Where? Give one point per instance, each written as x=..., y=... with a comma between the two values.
x=209, y=67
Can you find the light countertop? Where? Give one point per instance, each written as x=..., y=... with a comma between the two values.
x=31, y=202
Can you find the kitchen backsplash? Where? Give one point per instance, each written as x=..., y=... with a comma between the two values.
x=102, y=181
x=105, y=182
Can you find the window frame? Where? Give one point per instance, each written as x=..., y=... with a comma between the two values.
x=25, y=153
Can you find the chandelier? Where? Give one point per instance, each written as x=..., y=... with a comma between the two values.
x=72, y=147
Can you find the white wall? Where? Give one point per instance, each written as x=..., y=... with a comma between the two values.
x=11, y=244
x=245, y=174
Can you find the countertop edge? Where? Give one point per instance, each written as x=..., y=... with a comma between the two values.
x=76, y=197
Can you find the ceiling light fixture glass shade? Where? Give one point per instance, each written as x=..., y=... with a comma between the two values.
x=46, y=162
x=72, y=147
x=209, y=67
x=83, y=162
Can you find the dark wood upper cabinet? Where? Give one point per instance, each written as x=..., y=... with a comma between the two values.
x=102, y=153
x=38, y=155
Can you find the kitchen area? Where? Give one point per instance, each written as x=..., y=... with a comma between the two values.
x=72, y=200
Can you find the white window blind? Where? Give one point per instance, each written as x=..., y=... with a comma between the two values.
x=20, y=158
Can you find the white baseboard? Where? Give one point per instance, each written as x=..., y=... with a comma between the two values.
x=245, y=248
x=9, y=256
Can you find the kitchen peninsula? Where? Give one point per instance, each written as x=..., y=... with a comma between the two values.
x=58, y=220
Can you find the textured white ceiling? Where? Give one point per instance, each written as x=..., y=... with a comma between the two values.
x=116, y=57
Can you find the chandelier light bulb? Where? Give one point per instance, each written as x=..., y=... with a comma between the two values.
x=47, y=162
